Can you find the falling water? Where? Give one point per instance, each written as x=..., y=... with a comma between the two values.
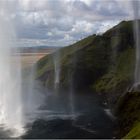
x=29, y=89
x=56, y=69
x=71, y=87
x=10, y=79
x=136, y=5
x=72, y=101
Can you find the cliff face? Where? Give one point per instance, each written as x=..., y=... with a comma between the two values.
x=104, y=63
x=90, y=59
x=81, y=63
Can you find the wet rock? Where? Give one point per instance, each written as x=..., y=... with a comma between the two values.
x=57, y=128
x=135, y=88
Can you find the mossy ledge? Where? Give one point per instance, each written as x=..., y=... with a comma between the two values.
x=128, y=112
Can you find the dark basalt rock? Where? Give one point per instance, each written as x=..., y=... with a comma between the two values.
x=55, y=129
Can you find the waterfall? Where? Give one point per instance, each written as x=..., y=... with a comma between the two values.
x=72, y=100
x=71, y=87
x=30, y=88
x=136, y=9
x=10, y=78
x=57, y=69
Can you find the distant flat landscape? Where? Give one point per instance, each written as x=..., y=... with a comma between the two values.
x=28, y=59
x=29, y=56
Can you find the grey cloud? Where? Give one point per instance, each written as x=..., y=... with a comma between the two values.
x=136, y=8
x=111, y=8
x=63, y=22
x=81, y=6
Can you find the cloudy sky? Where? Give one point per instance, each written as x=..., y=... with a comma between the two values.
x=62, y=22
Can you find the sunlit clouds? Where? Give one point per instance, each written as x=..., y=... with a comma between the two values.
x=62, y=22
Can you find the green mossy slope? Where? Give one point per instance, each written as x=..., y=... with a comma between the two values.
x=84, y=62
x=118, y=74
x=121, y=70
